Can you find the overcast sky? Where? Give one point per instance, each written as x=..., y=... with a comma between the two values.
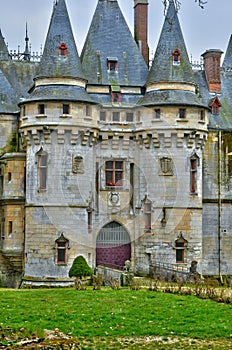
x=205, y=29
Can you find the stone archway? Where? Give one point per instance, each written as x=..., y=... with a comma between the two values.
x=113, y=246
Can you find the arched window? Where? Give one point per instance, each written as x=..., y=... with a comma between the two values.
x=63, y=49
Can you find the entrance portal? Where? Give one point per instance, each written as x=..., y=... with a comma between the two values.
x=113, y=246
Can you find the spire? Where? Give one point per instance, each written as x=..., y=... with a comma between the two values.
x=26, y=54
x=4, y=54
x=171, y=80
x=227, y=62
x=109, y=39
x=171, y=61
x=60, y=57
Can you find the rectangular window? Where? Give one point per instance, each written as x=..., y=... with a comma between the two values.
x=129, y=117
x=42, y=169
x=179, y=252
x=10, y=228
x=116, y=116
x=157, y=113
x=61, y=252
x=114, y=173
x=193, y=175
x=88, y=111
x=9, y=176
x=89, y=220
x=41, y=109
x=147, y=213
x=202, y=116
x=66, y=109
x=103, y=116
x=182, y=113
x=116, y=97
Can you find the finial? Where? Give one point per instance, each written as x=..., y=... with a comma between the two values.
x=26, y=54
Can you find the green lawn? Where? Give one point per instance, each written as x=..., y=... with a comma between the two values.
x=115, y=314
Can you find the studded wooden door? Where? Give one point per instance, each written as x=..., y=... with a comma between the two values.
x=113, y=246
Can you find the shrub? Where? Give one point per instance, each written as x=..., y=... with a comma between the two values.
x=80, y=268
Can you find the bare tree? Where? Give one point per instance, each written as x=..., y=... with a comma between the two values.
x=201, y=3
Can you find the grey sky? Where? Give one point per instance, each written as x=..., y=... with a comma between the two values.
x=202, y=29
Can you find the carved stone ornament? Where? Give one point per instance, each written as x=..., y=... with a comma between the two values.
x=77, y=164
x=166, y=166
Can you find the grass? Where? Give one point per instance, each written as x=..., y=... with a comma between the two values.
x=109, y=315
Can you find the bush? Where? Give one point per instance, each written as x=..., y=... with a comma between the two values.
x=80, y=268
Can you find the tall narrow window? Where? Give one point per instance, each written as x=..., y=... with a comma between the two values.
x=10, y=228
x=147, y=214
x=176, y=57
x=129, y=117
x=103, y=116
x=88, y=111
x=116, y=97
x=41, y=108
x=182, y=113
x=114, y=173
x=42, y=169
x=157, y=113
x=179, y=252
x=193, y=174
x=215, y=105
x=63, y=49
x=116, y=116
x=180, y=245
x=61, y=250
x=89, y=213
x=66, y=109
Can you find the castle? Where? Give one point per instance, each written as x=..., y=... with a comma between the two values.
x=113, y=157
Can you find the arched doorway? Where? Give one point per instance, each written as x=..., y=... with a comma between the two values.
x=113, y=246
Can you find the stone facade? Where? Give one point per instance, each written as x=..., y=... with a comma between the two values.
x=111, y=163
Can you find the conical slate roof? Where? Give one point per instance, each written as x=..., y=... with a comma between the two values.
x=228, y=56
x=171, y=39
x=4, y=54
x=110, y=38
x=60, y=32
x=56, y=64
x=8, y=96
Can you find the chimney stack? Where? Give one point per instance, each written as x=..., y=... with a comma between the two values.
x=212, y=66
x=141, y=27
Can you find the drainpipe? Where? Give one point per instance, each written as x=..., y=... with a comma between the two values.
x=219, y=199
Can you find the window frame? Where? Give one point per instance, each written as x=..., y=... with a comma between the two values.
x=117, y=115
x=194, y=162
x=65, y=108
x=182, y=113
x=113, y=173
x=42, y=161
x=61, y=246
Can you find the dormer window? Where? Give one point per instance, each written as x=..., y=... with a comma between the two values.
x=215, y=105
x=176, y=57
x=63, y=49
x=112, y=64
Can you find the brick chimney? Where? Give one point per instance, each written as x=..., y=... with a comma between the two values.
x=140, y=27
x=212, y=60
